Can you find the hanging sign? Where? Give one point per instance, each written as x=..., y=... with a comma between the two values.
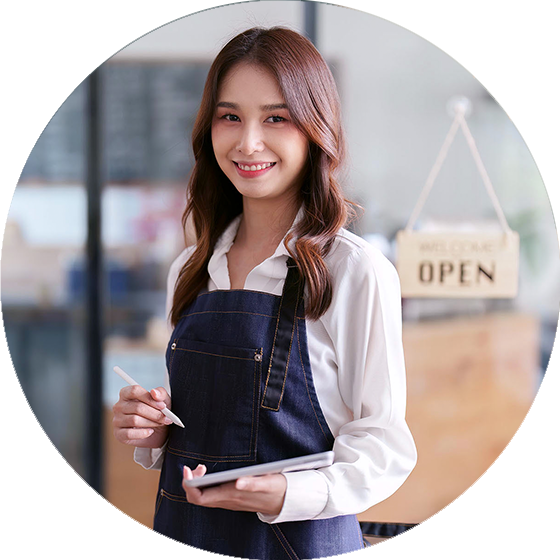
x=455, y=263
x=458, y=265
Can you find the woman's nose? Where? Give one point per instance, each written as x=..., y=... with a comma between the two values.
x=251, y=140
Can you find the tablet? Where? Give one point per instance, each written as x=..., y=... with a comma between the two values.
x=303, y=463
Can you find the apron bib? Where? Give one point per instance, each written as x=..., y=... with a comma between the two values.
x=241, y=383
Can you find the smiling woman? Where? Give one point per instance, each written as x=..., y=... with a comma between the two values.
x=302, y=81
x=256, y=142
x=286, y=327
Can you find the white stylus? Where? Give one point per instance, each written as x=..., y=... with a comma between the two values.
x=131, y=381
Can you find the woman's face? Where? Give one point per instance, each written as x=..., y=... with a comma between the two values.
x=255, y=142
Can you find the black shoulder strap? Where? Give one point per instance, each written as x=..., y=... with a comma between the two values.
x=283, y=338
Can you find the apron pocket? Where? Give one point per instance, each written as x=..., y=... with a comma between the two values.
x=215, y=391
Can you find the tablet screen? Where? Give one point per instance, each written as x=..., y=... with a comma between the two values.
x=306, y=462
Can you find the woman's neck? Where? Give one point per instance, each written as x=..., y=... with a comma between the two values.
x=264, y=224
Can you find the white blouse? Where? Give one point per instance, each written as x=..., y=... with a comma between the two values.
x=357, y=362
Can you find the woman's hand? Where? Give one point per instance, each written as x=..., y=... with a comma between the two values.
x=137, y=417
x=264, y=494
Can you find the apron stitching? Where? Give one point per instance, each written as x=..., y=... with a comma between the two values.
x=272, y=352
x=360, y=532
x=158, y=505
x=274, y=527
x=254, y=444
x=234, y=290
x=294, y=324
x=307, y=387
x=194, y=455
x=217, y=355
x=287, y=542
x=224, y=312
x=174, y=497
x=287, y=359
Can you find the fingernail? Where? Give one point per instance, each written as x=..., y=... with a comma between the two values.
x=241, y=484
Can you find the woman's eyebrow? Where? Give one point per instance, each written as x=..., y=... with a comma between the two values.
x=227, y=105
x=272, y=107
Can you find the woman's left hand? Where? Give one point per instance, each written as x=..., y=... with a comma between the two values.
x=264, y=494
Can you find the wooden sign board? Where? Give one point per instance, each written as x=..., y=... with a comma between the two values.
x=458, y=264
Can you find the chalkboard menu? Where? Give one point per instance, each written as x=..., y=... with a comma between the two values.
x=148, y=110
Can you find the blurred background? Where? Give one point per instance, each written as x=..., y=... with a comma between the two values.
x=95, y=223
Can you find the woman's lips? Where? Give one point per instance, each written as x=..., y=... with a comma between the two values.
x=248, y=174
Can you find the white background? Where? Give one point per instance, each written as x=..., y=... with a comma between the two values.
x=49, y=47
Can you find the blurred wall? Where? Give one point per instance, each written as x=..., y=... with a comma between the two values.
x=394, y=88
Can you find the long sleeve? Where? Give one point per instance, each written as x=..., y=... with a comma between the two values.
x=374, y=449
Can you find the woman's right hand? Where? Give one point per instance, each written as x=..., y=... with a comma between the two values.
x=137, y=417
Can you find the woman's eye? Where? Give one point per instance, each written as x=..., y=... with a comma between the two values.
x=230, y=117
x=275, y=119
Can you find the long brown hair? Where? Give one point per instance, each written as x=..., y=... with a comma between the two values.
x=309, y=90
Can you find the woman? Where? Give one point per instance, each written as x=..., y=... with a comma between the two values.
x=287, y=328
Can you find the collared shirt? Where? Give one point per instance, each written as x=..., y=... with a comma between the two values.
x=357, y=363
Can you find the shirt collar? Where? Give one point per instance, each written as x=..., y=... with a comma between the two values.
x=217, y=266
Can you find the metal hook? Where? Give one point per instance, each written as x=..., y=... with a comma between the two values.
x=459, y=103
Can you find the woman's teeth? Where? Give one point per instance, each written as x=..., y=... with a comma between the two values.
x=255, y=167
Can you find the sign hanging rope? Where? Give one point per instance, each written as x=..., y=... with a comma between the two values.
x=459, y=121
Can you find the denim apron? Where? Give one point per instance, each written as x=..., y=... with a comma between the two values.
x=241, y=383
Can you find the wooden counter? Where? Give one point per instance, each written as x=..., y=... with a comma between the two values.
x=470, y=384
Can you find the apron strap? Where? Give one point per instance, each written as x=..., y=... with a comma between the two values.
x=384, y=530
x=282, y=345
